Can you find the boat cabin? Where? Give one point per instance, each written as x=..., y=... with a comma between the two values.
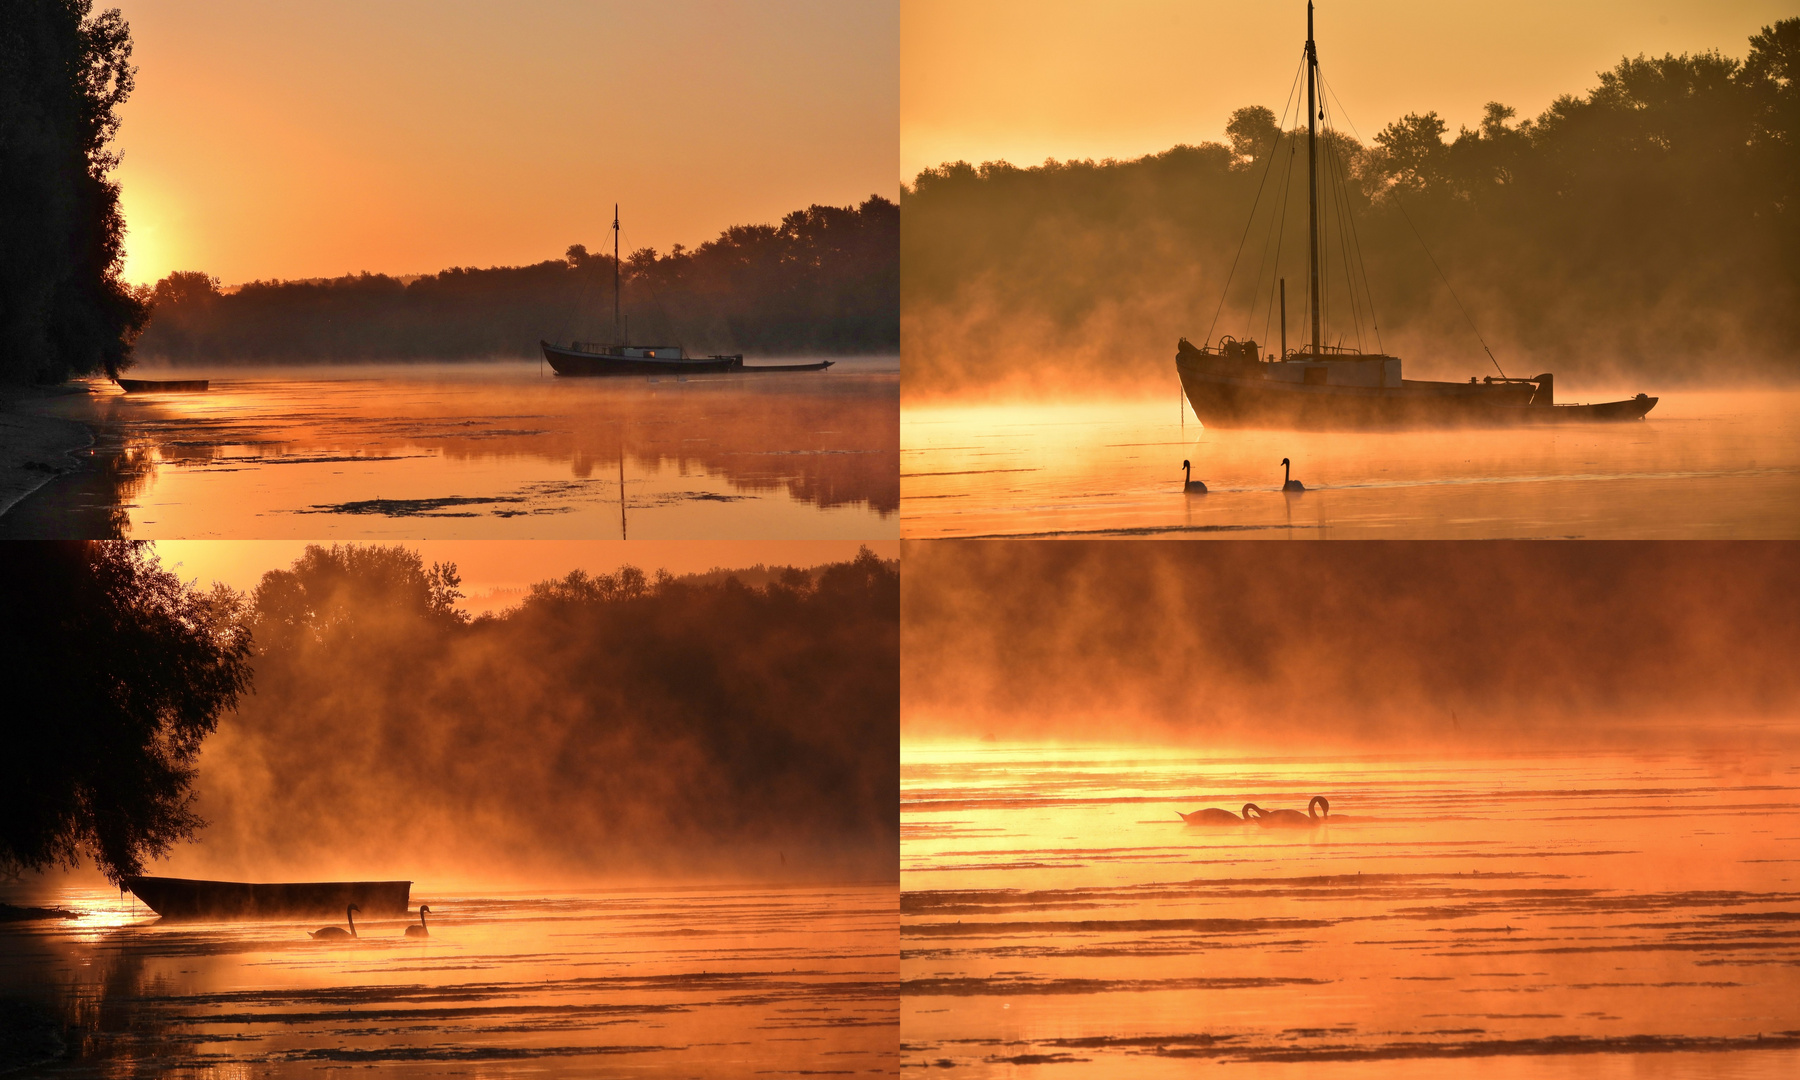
x=653, y=352
x=1359, y=370
x=1329, y=366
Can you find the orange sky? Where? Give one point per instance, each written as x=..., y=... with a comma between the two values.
x=495, y=573
x=1022, y=80
x=299, y=138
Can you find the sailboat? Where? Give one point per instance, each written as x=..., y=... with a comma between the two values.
x=1320, y=385
x=617, y=358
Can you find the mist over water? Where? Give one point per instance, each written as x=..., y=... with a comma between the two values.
x=1702, y=465
x=1556, y=910
x=485, y=451
x=654, y=819
x=1403, y=647
x=657, y=982
x=608, y=730
x=1562, y=825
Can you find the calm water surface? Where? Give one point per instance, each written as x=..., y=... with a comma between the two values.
x=496, y=450
x=1540, y=916
x=1703, y=465
x=695, y=982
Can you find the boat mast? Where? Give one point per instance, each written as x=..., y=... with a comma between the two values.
x=618, y=337
x=1312, y=173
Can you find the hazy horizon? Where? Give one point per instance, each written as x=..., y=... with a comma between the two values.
x=287, y=140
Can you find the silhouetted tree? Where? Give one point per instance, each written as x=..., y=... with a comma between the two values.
x=1252, y=130
x=64, y=72
x=329, y=595
x=115, y=673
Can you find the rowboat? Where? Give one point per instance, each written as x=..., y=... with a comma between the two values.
x=192, y=898
x=1315, y=385
x=163, y=386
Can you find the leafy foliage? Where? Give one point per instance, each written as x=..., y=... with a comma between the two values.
x=64, y=72
x=116, y=671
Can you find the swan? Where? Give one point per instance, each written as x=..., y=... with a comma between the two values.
x=1193, y=487
x=419, y=930
x=1212, y=815
x=1294, y=818
x=334, y=932
x=1288, y=482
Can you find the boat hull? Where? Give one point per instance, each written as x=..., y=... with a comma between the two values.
x=576, y=362
x=164, y=386
x=192, y=898
x=1233, y=393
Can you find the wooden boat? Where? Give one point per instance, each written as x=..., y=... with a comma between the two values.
x=1228, y=386
x=579, y=358
x=191, y=898
x=1319, y=385
x=163, y=386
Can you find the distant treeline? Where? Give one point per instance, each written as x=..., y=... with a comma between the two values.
x=826, y=280
x=612, y=724
x=1651, y=225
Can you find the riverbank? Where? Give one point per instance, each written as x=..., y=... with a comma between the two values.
x=36, y=449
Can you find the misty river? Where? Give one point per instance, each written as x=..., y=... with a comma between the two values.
x=1703, y=465
x=659, y=981
x=1575, y=914
x=496, y=450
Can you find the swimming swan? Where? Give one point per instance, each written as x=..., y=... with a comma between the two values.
x=1193, y=487
x=1294, y=818
x=419, y=930
x=334, y=932
x=1212, y=815
x=1288, y=482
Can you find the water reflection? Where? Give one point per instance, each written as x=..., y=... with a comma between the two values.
x=1056, y=910
x=681, y=982
x=493, y=451
x=1705, y=465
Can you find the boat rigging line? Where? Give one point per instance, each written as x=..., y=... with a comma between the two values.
x=1330, y=220
x=1400, y=205
x=1226, y=291
x=1355, y=237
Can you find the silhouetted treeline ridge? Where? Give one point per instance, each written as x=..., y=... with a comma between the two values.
x=608, y=725
x=1651, y=225
x=826, y=280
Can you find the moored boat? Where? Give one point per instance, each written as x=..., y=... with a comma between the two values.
x=193, y=898
x=165, y=386
x=590, y=358
x=580, y=358
x=1229, y=386
x=1318, y=385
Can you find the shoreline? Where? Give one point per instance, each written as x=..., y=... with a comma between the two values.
x=36, y=449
